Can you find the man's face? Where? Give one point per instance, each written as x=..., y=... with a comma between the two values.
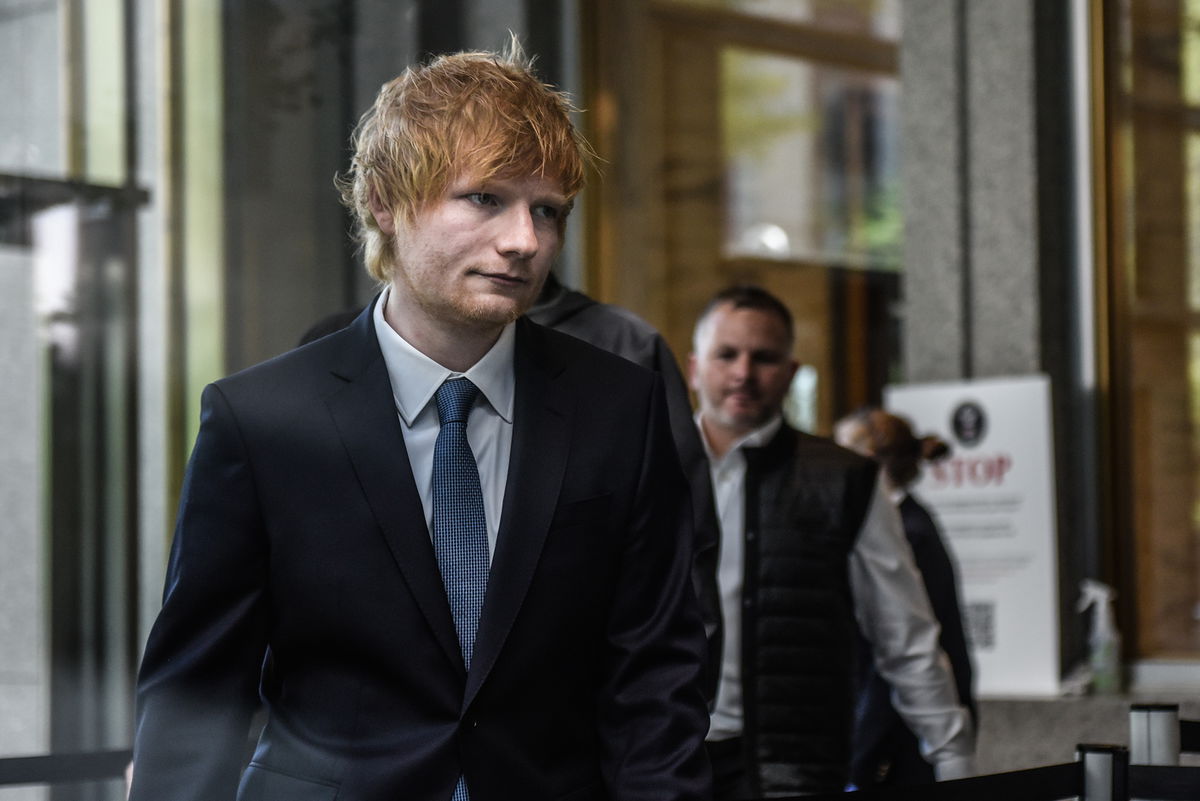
x=742, y=368
x=478, y=255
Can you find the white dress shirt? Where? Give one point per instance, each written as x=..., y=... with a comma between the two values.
x=415, y=379
x=890, y=605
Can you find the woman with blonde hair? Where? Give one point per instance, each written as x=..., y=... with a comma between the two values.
x=885, y=752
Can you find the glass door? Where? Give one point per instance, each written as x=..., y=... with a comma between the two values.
x=758, y=144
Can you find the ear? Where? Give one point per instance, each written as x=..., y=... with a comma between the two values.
x=691, y=371
x=384, y=218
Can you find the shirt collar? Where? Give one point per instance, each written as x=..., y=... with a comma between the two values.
x=755, y=439
x=415, y=377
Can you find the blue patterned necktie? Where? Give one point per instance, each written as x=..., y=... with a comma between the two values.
x=459, y=528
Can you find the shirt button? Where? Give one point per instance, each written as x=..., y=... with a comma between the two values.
x=747, y=602
x=751, y=536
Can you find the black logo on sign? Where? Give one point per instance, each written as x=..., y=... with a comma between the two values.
x=968, y=423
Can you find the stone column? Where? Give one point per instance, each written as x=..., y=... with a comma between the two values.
x=934, y=181
x=1003, y=301
x=970, y=177
x=989, y=275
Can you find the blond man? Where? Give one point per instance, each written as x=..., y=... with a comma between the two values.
x=461, y=538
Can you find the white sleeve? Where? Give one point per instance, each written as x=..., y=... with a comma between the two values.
x=893, y=611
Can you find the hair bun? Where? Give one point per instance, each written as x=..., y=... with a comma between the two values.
x=934, y=448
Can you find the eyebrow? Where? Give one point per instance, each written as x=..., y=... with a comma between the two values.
x=552, y=197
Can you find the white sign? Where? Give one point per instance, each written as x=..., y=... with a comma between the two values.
x=994, y=497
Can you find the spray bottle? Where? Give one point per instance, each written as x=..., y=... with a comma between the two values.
x=1104, y=642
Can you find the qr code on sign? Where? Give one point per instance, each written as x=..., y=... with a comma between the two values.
x=981, y=625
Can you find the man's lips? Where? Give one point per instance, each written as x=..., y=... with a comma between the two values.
x=507, y=279
x=742, y=395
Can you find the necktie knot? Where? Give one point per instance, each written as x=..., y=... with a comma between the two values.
x=455, y=399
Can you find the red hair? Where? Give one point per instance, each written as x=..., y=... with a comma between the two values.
x=482, y=115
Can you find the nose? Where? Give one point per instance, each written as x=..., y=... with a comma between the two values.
x=518, y=236
x=741, y=367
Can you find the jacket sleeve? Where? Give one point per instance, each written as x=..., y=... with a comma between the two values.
x=652, y=714
x=197, y=687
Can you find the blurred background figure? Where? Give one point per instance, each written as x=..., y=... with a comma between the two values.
x=885, y=750
x=811, y=554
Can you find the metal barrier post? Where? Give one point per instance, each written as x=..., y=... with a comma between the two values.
x=1105, y=772
x=1154, y=734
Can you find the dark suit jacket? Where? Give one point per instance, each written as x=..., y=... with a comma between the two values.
x=620, y=331
x=300, y=528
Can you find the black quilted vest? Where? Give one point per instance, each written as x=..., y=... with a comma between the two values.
x=805, y=502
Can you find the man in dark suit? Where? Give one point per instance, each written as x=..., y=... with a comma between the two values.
x=620, y=331
x=462, y=538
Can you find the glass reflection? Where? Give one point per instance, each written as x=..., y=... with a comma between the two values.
x=68, y=409
x=878, y=18
x=810, y=161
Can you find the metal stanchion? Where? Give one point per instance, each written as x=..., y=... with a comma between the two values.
x=1105, y=772
x=1154, y=734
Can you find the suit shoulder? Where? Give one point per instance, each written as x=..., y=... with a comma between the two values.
x=291, y=371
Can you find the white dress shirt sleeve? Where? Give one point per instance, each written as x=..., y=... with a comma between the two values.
x=893, y=611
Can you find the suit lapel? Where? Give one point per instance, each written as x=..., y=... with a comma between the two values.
x=365, y=414
x=541, y=417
